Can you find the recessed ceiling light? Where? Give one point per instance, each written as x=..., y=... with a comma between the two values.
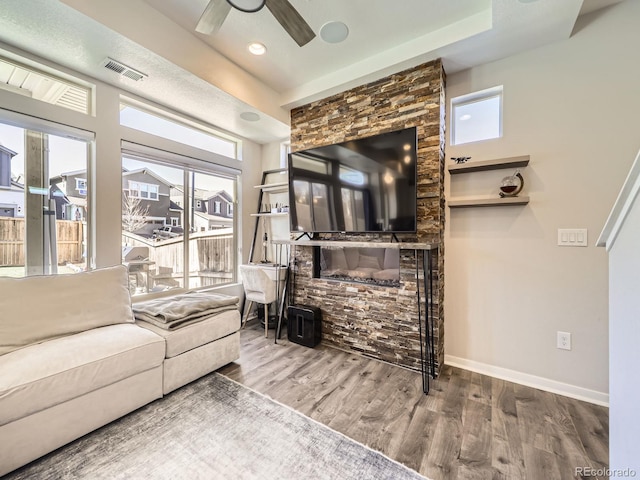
x=334, y=32
x=250, y=116
x=257, y=48
x=465, y=117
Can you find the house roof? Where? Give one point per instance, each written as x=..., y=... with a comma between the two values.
x=222, y=193
x=7, y=150
x=73, y=173
x=146, y=171
x=201, y=194
x=215, y=218
x=80, y=201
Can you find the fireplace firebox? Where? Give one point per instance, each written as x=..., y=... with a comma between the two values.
x=370, y=265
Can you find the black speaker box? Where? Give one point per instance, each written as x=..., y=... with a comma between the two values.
x=304, y=325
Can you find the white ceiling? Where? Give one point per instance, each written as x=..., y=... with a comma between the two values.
x=214, y=78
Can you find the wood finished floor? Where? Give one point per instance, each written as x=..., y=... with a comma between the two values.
x=470, y=426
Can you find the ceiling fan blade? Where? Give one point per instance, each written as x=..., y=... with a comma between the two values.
x=291, y=21
x=213, y=16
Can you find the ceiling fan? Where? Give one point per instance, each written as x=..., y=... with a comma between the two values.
x=217, y=10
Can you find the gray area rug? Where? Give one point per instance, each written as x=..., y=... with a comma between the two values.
x=215, y=428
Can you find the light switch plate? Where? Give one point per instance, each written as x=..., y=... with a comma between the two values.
x=572, y=237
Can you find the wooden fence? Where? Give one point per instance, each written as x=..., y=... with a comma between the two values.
x=70, y=235
x=211, y=255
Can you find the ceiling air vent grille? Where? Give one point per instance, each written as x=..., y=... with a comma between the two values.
x=122, y=70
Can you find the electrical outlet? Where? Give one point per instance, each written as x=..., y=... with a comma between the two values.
x=564, y=340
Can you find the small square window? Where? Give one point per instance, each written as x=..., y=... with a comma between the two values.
x=81, y=186
x=476, y=116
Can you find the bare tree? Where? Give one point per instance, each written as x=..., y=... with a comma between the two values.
x=134, y=215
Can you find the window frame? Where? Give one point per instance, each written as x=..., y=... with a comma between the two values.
x=166, y=116
x=80, y=92
x=191, y=165
x=50, y=126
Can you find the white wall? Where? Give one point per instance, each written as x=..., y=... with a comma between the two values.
x=572, y=106
x=271, y=155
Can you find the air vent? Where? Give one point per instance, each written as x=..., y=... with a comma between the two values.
x=122, y=70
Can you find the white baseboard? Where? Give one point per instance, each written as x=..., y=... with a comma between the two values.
x=568, y=390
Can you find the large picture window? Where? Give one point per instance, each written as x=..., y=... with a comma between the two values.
x=44, y=203
x=169, y=237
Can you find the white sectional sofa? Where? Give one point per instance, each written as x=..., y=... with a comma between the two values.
x=72, y=359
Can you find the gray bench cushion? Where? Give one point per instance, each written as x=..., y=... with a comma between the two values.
x=197, y=334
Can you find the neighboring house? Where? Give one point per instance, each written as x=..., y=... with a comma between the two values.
x=204, y=221
x=211, y=210
x=150, y=195
x=220, y=204
x=11, y=190
x=147, y=196
x=12, y=200
x=69, y=190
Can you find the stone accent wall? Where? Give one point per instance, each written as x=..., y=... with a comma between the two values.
x=376, y=321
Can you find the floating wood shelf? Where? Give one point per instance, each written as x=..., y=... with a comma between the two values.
x=488, y=202
x=269, y=214
x=273, y=187
x=483, y=165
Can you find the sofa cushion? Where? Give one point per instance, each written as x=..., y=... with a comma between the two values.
x=39, y=308
x=197, y=334
x=40, y=376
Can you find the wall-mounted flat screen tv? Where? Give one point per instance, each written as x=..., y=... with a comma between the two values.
x=360, y=186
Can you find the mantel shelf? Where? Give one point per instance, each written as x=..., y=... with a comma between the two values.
x=487, y=202
x=484, y=165
x=357, y=244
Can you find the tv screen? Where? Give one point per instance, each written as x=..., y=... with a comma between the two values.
x=359, y=186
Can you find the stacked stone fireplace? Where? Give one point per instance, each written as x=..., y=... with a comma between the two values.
x=362, y=312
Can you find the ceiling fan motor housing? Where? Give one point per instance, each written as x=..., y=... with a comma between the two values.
x=287, y=16
x=249, y=6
